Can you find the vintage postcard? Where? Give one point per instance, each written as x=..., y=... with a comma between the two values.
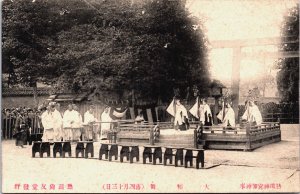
x=150, y=96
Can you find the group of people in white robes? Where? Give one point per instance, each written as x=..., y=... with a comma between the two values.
x=71, y=126
x=202, y=111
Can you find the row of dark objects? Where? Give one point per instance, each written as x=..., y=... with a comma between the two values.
x=110, y=150
x=63, y=148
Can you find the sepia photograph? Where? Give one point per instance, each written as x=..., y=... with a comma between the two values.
x=150, y=96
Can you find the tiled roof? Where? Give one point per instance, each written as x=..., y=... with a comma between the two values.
x=68, y=97
x=6, y=92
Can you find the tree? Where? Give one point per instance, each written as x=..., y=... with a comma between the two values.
x=29, y=33
x=288, y=76
x=149, y=47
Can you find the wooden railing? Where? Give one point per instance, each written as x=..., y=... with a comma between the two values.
x=264, y=127
x=283, y=118
x=153, y=130
x=246, y=136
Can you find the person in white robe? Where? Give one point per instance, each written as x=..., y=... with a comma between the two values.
x=60, y=134
x=47, y=124
x=89, y=126
x=139, y=118
x=56, y=122
x=51, y=120
x=68, y=121
x=252, y=114
x=227, y=116
x=77, y=125
x=179, y=112
x=105, y=123
x=205, y=113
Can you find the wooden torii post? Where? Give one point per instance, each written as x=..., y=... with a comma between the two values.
x=237, y=46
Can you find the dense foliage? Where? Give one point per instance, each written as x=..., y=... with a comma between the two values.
x=288, y=76
x=149, y=47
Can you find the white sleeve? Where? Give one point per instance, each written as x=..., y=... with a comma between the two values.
x=220, y=115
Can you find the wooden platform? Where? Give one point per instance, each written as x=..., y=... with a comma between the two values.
x=241, y=138
x=244, y=138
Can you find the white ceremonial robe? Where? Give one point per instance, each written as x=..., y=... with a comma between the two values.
x=88, y=126
x=68, y=122
x=229, y=117
x=252, y=114
x=89, y=118
x=180, y=113
x=204, y=108
x=57, y=125
x=77, y=125
x=106, y=125
x=48, y=127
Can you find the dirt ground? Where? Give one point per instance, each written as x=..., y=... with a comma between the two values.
x=272, y=168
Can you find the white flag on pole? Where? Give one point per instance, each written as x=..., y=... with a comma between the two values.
x=171, y=109
x=194, y=109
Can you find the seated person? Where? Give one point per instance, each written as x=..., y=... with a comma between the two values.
x=139, y=118
x=252, y=114
x=227, y=116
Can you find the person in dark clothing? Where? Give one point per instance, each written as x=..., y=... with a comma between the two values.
x=22, y=129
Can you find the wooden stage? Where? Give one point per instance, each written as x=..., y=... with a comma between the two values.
x=241, y=138
x=245, y=137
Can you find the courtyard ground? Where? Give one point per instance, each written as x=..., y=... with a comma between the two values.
x=272, y=168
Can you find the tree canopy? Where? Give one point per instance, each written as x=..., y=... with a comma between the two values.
x=149, y=47
x=288, y=76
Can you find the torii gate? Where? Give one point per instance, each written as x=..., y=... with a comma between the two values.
x=237, y=46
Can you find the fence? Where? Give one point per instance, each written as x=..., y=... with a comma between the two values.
x=9, y=121
x=285, y=113
x=244, y=137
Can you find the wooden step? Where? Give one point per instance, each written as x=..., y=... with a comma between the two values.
x=184, y=145
x=176, y=141
x=184, y=136
x=137, y=141
x=175, y=138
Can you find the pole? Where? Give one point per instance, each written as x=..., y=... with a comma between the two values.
x=235, y=79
